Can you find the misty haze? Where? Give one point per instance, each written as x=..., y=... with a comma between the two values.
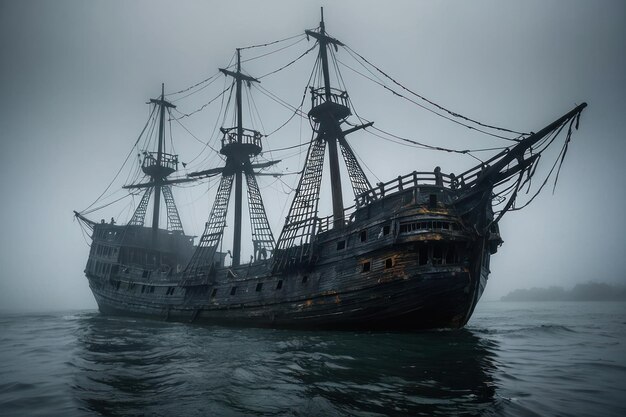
x=197, y=195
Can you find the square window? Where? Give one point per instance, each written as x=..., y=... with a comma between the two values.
x=422, y=255
x=363, y=235
x=365, y=266
x=386, y=229
x=214, y=293
x=259, y=287
x=341, y=245
x=233, y=290
x=279, y=285
x=305, y=279
x=388, y=263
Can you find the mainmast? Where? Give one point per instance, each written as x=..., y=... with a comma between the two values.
x=157, y=172
x=239, y=154
x=239, y=145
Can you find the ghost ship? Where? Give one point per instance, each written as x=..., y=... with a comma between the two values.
x=410, y=253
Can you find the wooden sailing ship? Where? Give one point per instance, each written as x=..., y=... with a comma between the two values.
x=411, y=253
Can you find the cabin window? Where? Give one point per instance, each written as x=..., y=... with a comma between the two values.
x=363, y=235
x=445, y=226
x=151, y=289
x=170, y=291
x=145, y=273
x=341, y=245
x=214, y=293
x=437, y=255
x=388, y=263
x=143, y=289
x=451, y=254
x=279, y=285
x=117, y=285
x=305, y=279
x=365, y=266
x=386, y=229
x=259, y=287
x=432, y=200
x=233, y=290
x=422, y=254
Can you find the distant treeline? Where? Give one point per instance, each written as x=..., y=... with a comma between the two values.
x=582, y=292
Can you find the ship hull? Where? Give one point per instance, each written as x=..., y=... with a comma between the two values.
x=442, y=300
x=399, y=264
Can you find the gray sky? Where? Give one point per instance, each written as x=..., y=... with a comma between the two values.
x=75, y=75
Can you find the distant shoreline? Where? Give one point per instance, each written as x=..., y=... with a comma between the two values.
x=592, y=291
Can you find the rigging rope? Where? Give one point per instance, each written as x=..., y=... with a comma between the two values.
x=273, y=52
x=450, y=112
x=204, y=105
x=270, y=43
x=124, y=163
x=289, y=63
x=195, y=85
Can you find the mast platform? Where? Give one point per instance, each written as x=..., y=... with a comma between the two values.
x=336, y=105
x=151, y=166
x=250, y=143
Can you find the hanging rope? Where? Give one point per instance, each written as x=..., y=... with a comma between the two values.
x=289, y=63
x=124, y=163
x=261, y=45
x=193, y=86
x=450, y=112
x=204, y=105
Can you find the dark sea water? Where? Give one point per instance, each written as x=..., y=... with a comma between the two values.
x=517, y=359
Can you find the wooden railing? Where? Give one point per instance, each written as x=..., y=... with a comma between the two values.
x=411, y=180
x=248, y=137
x=318, y=96
x=168, y=161
x=324, y=224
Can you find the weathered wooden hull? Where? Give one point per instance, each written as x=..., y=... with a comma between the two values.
x=439, y=301
x=397, y=265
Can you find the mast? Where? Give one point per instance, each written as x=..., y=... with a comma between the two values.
x=238, y=185
x=239, y=155
x=239, y=144
x=157, y=186
x=333, y=158
x=330, y=107
x=158, y=166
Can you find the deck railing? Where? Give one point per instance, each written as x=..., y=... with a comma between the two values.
x=324, y=224
x=414, y=179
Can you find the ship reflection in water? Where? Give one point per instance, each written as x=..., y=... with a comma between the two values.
x=142, y=367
